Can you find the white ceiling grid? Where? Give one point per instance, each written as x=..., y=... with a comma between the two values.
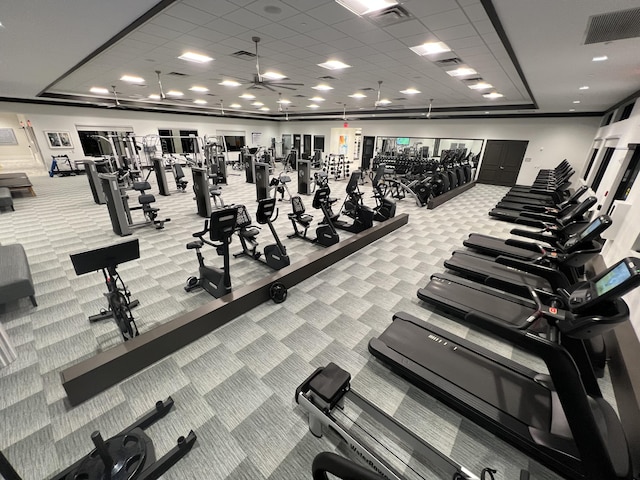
x=294, y=41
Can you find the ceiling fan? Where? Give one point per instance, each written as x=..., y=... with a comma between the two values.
x=383, y=103
x=259, y=81
x=163, y=96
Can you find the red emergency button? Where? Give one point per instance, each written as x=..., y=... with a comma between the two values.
x=553, y=310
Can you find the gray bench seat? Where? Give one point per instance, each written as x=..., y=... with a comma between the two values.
x=5, y=198
x=15, y=275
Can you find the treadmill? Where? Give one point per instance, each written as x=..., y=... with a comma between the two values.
x=511, y=202
x=559, y=271
x=534, y=219
x=559, y=419
x=583, y=241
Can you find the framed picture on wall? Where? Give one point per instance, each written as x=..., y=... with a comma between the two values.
x=58, y=139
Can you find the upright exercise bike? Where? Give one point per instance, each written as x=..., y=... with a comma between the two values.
x=385, y=207
x=220, y=226
x=353, y=207
x=275, y=254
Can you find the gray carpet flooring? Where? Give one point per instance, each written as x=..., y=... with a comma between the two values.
x=235, y=386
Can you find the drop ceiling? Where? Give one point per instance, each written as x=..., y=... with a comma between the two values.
x=533, y=53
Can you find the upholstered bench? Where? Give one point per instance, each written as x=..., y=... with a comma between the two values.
x=5, y=198
x=15, y=274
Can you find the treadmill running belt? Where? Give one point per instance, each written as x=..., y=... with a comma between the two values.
x=497, y=246
x=462, y=299
x=511, y=392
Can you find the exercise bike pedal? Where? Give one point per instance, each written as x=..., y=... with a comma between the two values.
x=192, y=282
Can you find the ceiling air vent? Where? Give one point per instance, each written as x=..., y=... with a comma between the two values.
x=613, y=26
x=449, y=62
x=390, y=16
x=178, y=74
x=243, y=54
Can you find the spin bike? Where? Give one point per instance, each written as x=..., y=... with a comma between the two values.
x=118, y=297
x=275, y=255
x=215, y=281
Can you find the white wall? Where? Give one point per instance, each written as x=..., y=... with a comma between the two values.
x=13, y=156
x=625, y=219
x=550, y=139
x=60, y=118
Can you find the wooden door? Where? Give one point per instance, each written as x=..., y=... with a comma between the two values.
x=501, y=162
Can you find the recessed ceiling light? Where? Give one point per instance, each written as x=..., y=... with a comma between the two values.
x=480, y=86
x=576, y=101
x=131, y=79
x=1, y=25
x=284, y=101
x=322, y=87
x=317, y=99
x=462, y=72
x=195, y=57
x=175, y=93
x=486, y=112
x=601, y=58
x=98, y=90
x=584, y=87
x=333, y=65
x=248, y=96
x=230, y=83
x=364, y=7
x=493, y=95
x=154, y=96
x=572, y=109
x=265, y=109
x=257, y=104
x=384, y=101
x=196, y=88
x=410, y=91
x=200, y=102
x=313, y=105
x=358, y=95
x=235, y=105
x=430, y=48
x=273, y=75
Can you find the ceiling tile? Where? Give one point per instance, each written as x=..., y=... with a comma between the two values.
x=330, y=13
x=218, y=8
x=356, y=24
x=461, y=31
x=419, y=39
x=476, y=12
x=286, y=11
x=491, y=37
x=303, y=23
x=304, y=5
x=440, y=21
x=208, y=34
x=326, y=33
x=172, y=23
x=276, y=31
x=188, y=41
x=483, y=26
x=145, y=37
x=247, y=19
x=345, y=43
x=227, y=27
x=406, y=29
x=372, y=36
x=241, y=3
x=476, y=50
x=301, y=41
x=465, y=42
x=189, y=14
x=155, y=30
x=422, y=8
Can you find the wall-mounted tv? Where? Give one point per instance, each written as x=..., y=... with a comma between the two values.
x=402, y=141
x=234, y=142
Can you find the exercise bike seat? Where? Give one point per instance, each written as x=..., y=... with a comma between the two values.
x=146, y=199
x=250, y=232
x=195, y=244
x=141, y=186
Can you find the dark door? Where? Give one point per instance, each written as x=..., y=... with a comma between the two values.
x=594, y=154
x=318, y=142
x=368, y=147
x=606, y=158
x=306, y=143
x=296, y=143
x=501, y=162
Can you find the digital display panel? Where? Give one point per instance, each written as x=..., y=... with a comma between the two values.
x=402, y=141
x=612, y=279
x=595, y=224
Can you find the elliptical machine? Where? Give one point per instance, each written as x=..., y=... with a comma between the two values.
x=275, y=254
x=353, y=207
x=326, y=234
x=220, y=226
x=385, y=207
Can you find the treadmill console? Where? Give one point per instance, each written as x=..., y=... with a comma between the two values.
x=612, y=283
x=590, y=232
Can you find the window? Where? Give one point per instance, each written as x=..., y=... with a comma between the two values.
x=189, y=145
x=628, y=178
x=606, y=120
x=593, y=157
x=167, y=143
x=608, y=153
x=626, y=111
x=234, y=142
x=99, y=143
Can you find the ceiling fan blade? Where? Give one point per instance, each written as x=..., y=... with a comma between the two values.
x=275, y=84
x=282, y=86
x=268, y=87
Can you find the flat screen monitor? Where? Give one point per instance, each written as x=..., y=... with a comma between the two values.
x=612, y=279
x=402, y=141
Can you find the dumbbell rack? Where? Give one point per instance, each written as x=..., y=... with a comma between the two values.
x=337, y=166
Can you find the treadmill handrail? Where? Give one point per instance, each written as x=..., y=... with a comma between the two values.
x=556, y=278
x=534, y=247
x=570, y=391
